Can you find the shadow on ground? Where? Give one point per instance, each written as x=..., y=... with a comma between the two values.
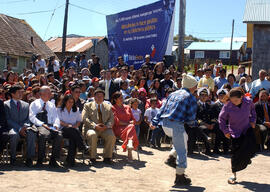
x=188, y=188
x=252, y=186
x=200, y=156
x=120, y=161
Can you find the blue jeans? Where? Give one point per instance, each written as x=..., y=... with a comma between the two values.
x=179, y=142
x=156, y=136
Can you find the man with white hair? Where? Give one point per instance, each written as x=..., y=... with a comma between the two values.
x=43, y=115
x=180, y=108
x=260, y=83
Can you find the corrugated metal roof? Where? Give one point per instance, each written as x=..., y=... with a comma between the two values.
x=222, y=46
x=257, y=12
x=73, y=44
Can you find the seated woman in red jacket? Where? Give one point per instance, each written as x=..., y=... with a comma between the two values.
x=124, y=124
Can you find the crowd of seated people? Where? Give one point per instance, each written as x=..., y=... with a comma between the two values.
x=82, y=103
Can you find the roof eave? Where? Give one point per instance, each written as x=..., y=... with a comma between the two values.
x=257, y=22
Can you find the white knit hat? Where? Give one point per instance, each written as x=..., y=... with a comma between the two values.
x=188, y=81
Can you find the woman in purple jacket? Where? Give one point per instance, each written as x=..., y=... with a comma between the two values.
x=236, y=120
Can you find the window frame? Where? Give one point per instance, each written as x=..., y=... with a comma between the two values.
x=199, y=55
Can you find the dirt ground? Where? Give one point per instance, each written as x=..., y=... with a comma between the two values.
x=148, y=174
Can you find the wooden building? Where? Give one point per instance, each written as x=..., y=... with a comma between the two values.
x=257, y=17
x=216, y=50
x=18, y=43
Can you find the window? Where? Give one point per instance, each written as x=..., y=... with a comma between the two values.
x=28, y=63
x=224, y=54
x=12, y=61
x=199, y=54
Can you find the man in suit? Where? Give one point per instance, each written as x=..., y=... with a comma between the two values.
x=108, y=85
x=98, y=120
x=17, y=114
x=262, y=130
x=206, y=120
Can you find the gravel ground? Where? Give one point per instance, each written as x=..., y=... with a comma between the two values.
x=148, y=174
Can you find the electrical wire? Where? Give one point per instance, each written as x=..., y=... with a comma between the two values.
x=18, y=1
x=37, y=12
x=51, y=19
x=93, y=11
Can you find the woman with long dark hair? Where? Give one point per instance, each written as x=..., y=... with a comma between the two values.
x=43, y=80
x=70, y=120
x=124, y=124
x=10, y=78
x=158, y=71
x=142, y=83
x=157, y=88
x=237, y=119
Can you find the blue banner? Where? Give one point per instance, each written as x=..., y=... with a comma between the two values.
x=137, y=32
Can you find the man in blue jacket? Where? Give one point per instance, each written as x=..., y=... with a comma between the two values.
x=180, y=108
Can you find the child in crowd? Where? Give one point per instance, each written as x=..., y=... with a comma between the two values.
x=84, y=93
x=158, y=132
x=124, y=89
x=134, y=103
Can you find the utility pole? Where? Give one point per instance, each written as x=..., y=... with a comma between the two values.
x=181, y=35
x=65, y=31
x=231, y=43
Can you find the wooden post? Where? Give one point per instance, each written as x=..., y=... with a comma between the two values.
x=181, y=34
x=231, y=42
x=232, y=69
x=65, y=31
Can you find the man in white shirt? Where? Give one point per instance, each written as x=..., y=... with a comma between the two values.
x=40, y=63
x=43, y=115
x=260, y=83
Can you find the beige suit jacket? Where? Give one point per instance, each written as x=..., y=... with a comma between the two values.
x=90, y=115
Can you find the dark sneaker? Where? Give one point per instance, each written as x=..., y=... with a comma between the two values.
x=53, y=163
x=39, y=163
x=69, y=164
x=107, y=161
x=92, y=161
x=29, y=162
x=181, y=180
x=12, y=161
x=171, y=161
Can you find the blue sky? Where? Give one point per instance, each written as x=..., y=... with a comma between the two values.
x=207, y=19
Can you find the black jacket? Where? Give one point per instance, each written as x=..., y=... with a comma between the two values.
x=3, y=120
x=205, y=115
x=112, y=89
x=260, y=112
